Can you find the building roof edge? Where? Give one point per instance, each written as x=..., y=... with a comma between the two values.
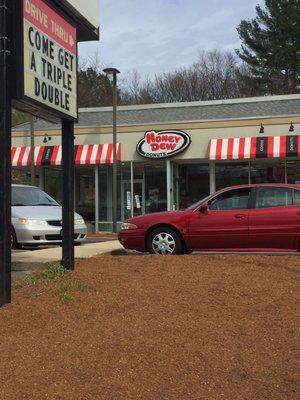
x=193, y=103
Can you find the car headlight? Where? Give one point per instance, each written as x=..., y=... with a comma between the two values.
x=26, y=221
x=79, y=221
x=128, y=225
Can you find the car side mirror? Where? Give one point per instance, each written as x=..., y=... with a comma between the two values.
x=204, y=208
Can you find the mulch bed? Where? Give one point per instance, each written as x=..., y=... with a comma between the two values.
x=159, y=328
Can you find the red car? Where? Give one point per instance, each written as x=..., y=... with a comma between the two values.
x=262, y=217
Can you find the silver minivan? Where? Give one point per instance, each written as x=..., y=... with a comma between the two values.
x=37, y=218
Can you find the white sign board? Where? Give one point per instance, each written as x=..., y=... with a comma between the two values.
x=50, y=58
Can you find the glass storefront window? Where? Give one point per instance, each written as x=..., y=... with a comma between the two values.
x=230, y=174
x=105, y=211
x=267, y=172
x=138, y=198
x=105, y=196
x=53, y=183
x=293, y=171
x=132, y=204
x=149, y=188
x=175, y=179
x=190, y=183
x=23, y=176
x=155, y=187
x=193, y=183
x=85, y=194
x=126, y=171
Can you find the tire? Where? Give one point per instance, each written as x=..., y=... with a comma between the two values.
x=164, y=241
x=13, y=240
x=188, y=251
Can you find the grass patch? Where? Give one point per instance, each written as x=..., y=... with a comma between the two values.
x=63, y=292
x=65, y=298
x=64, y=286
x=63, y=279
x=28, y=280
x=53, y=272
x=81, y=287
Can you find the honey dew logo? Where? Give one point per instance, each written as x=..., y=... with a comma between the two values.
x=163, y=144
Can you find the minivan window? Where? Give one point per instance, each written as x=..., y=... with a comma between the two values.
x=30, y=196
x=236, y=199
x=273, y=197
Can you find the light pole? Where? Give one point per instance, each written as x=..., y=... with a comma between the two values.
x=114, y=72
x=32, y=166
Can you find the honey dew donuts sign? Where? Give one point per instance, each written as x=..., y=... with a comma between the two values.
x=163, y=144
x=50, y=58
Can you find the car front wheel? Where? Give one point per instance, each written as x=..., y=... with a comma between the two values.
x=164, y=241
x=13, y=240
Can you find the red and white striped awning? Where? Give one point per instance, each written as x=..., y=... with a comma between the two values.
x=87, y=154
x=254, y=147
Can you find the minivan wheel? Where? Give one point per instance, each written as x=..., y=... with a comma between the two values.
x=164, y=241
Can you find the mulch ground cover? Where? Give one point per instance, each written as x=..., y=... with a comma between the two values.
x=152, y=327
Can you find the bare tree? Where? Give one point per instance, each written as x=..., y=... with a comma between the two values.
x=215, y=75
x=94, y=87
x=136, y=90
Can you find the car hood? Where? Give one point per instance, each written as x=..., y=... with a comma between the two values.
x=164, y=216
x=39, y=212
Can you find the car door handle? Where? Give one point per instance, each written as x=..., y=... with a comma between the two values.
x=240, y=216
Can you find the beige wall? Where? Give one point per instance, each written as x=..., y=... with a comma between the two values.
x=200, y=132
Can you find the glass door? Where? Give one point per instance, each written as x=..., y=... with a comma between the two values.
x=133, y=204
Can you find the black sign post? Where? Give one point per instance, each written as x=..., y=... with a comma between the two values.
x=5, y=150
x=68, y=194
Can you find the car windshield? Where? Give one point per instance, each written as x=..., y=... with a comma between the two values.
x=31, y=196
x=195, y=205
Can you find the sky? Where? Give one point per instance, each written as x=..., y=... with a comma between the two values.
x=158, y=36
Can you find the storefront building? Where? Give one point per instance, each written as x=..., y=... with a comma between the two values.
x=169, y=155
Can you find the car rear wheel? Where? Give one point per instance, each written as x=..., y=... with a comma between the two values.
x=164, y=241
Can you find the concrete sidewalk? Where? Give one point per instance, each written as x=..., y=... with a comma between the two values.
x=32, y=260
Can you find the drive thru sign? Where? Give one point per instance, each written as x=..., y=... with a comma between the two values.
x=50, y=59
x=38, y=74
